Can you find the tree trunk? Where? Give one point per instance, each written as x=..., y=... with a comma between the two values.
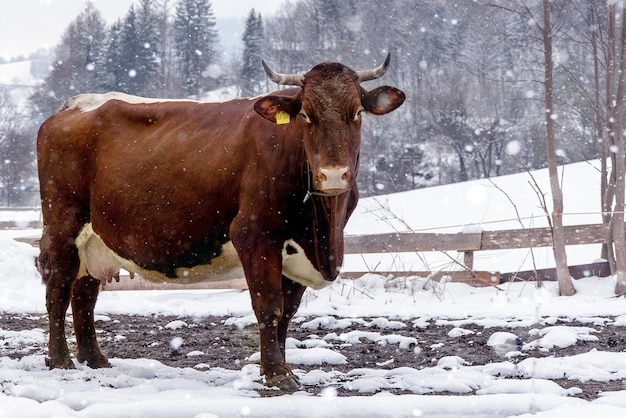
x=460, y=152
x=620, y=170
x=607, y=248
x=566, y=287
x=610, y=104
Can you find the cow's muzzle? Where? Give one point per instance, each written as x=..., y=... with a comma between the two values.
x=330, y=181
x=333, y=179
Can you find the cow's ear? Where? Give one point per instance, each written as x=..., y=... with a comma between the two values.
x=277, y=109
x=382, y=100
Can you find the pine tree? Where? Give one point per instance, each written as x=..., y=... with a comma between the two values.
x=132, y=59
x=195, y=38
x=113, y=68
x=148, y=58
x=130, y=48
x=79, y=62
x=252, y=75
x=133, y=52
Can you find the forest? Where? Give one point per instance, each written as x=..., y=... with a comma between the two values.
x=473, y=72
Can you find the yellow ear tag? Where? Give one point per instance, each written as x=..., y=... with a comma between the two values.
x=282, y=118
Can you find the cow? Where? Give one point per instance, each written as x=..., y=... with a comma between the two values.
x=182, y=191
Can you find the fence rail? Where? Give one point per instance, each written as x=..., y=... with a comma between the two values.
x=468, y=243
x=400, y=242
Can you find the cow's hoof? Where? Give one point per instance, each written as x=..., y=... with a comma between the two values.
x=95, y=361
x=285, y=383
x=99, y=364
x=59, y=364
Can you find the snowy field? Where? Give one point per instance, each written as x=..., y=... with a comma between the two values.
x=518, y=385
x=507, y=203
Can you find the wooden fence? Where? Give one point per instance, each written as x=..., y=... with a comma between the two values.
x=468, y=243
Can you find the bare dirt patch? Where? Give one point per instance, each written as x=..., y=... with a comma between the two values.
x=210, y=341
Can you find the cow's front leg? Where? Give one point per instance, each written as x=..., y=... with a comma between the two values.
x=263, y=268
x=267, y=301
x=292, y=295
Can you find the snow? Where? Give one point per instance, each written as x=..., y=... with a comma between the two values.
x=475, y=206
x=17, y=74
x=560, y=336
x=24, y=216
x=380, y=307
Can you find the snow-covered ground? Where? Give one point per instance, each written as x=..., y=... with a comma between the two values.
x=17, y=74
x=144, y=387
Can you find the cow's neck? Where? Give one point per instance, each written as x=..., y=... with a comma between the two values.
x=329, y=218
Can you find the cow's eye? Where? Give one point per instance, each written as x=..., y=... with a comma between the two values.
x=358, y=114
x=304, y=116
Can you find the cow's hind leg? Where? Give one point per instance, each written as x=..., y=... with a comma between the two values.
x=58, y=264
x=84, y=295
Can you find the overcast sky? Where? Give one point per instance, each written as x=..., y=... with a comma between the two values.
x=27, y=25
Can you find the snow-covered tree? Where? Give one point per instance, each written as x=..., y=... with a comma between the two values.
x=133, y=54
x=195, y=38
x=148, y=57
x=17, y=150
x=252, y=74
x=129, y=52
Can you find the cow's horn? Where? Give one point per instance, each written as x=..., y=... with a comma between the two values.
x=365, y=75
x=283, y=79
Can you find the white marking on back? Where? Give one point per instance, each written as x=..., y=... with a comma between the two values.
x=92, y=101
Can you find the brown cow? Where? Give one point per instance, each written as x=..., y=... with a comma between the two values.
x=184, y=191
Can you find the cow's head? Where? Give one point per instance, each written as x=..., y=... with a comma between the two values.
x=329, y=110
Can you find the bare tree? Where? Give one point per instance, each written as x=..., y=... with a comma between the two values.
x=566, y=288
x=17, y=160
x=617, y=137
x=164, y=21
x=601, y=49
x=547, y=30
x=609, y=64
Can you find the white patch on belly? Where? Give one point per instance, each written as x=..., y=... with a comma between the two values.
x=299, y=268
x=101, y=262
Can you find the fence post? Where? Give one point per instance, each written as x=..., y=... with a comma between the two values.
x=468, y=254
x=468, y=259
